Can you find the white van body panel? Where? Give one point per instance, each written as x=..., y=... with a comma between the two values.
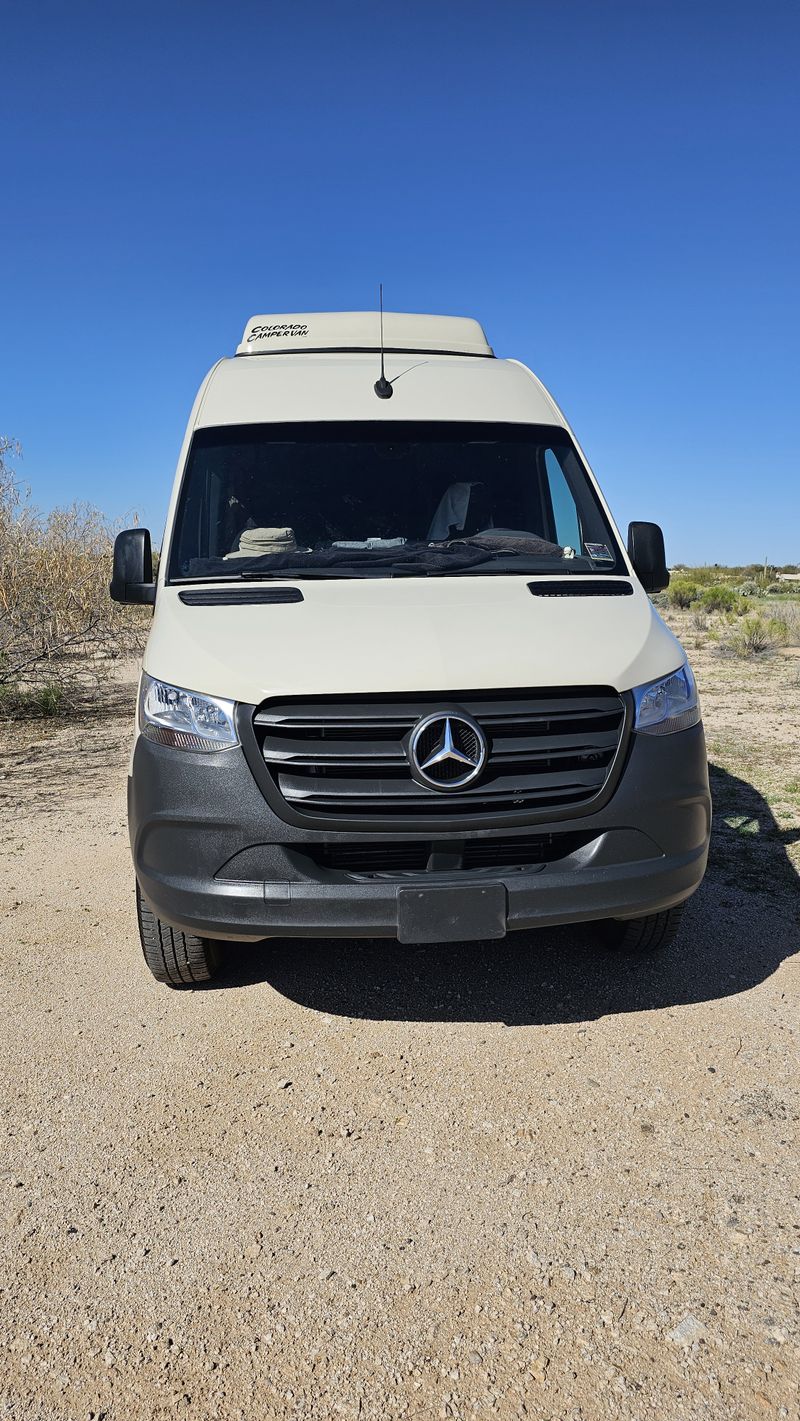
x=372, y=635
x=306, y=388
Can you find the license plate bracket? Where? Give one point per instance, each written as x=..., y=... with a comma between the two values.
x=452, y=914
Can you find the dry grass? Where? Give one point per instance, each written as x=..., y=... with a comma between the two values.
x=739, y=619
x=757, y=634
x=748, y=706
x=59, y=630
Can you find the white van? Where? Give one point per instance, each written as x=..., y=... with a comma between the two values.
x=404, y=678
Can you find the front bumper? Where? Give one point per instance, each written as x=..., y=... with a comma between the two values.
x=213, y=858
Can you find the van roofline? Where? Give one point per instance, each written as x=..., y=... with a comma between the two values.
x=345, y=332
x=372, y=350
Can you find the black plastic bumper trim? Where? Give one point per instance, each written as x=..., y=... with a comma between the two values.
x=191, y=814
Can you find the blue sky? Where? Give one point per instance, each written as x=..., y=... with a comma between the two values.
x=611, y=188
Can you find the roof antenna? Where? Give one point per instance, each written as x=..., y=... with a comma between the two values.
x=383, y=387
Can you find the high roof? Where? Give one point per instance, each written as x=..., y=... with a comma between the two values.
x=325, y=386
x=361, y=330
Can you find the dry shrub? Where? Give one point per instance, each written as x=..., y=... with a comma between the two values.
x=754, y=635
x=788, y=613
x=59, y=630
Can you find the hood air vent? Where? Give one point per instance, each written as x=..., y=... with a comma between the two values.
x=575, y=587
x=239, y=596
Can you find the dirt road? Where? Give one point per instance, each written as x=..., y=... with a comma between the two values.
x=521, y=1179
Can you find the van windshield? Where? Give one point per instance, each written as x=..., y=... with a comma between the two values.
x=386, y=499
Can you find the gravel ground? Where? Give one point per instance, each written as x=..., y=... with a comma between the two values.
x=522, y=1179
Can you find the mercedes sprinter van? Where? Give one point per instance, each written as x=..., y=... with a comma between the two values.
x=404, y=678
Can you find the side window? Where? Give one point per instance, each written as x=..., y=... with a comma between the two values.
x=565, y=513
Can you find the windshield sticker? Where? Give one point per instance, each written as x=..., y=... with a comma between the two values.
x=598, y=552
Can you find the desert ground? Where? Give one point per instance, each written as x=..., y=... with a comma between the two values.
x=356, y=1180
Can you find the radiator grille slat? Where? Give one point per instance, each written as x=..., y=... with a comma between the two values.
x=315, y=787
x=346, y=758
x=286, y=750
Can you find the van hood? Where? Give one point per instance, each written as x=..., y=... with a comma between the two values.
x=374, y=636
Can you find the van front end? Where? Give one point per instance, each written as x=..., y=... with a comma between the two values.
x=314, y=825
x=404, y=678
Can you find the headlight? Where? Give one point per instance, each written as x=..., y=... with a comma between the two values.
x=671, y=704
x=183, y=719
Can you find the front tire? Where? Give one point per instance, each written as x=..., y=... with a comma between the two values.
x=638, y=937
x=179, y=959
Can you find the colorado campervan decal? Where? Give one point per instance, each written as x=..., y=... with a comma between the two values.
x=268, y=332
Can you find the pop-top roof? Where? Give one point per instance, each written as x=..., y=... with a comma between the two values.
x=361, y=330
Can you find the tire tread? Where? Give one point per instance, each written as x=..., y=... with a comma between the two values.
x=176, y=958
x=640, y=936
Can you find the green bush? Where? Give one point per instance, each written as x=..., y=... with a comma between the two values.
x=682, y=594
x=719, y=599
x=748, y=589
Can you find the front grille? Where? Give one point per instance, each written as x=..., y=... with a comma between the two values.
x=548, y=753
x=426, y=856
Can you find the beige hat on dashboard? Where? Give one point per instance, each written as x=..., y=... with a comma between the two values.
x=254, y=542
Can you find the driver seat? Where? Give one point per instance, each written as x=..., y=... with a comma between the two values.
x=465, y=509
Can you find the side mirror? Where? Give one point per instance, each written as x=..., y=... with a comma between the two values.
x=132, y=575
x=646, y=551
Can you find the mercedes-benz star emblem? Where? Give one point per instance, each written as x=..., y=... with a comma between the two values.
x=447, y=751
